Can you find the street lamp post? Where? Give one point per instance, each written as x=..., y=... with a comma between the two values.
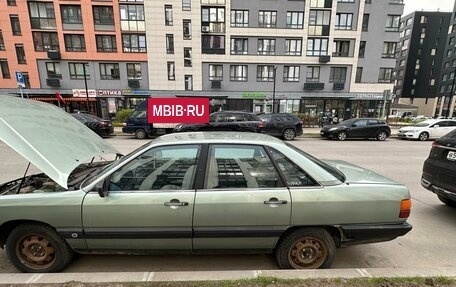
x=274, y=90
x=85, y=84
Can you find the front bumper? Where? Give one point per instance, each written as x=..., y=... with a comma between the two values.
x=407, y=135
x=328, y=134
x=360, y=234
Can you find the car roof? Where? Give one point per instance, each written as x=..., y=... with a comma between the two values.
x=233, y=112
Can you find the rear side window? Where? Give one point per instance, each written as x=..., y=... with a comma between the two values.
x=250, y=118
x=294, y=175
x=266, y=118
x=281, y=118
x=451, y=124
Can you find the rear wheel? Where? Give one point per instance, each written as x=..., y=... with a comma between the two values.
x=382, y=136
x=424, y=136
x=140, y=134
x=342, y=136
x=289, y=134
x=447, y=201
x=306, y=248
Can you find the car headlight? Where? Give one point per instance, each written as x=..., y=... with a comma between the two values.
x=178, y=127
x=333, y=129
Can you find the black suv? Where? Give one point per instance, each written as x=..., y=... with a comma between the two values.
x=287, y=126
x=226, y=121
x=357, y=128
x=439, y=169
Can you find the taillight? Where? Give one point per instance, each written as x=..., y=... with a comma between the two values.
x=406, y=205
x=435, y=144
x=301, y=122
x=261, y=125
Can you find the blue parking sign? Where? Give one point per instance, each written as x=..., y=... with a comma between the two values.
x=20, y=79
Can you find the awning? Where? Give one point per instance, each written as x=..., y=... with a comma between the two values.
x=66, y=99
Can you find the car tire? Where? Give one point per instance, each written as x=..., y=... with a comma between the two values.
x=382, y=136
x=424, y=136
x=306, y=248
x=447, y=201
x=288, y=134
x=140, y=134
x=37, y=248
x=342, y=136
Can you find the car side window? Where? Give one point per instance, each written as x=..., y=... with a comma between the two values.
x=240, y=166
x=161, y=168
x=451, y=124
x=213, y=118
x=294, y=175
x=373, y=122
x=440, y=124
x=361, y=123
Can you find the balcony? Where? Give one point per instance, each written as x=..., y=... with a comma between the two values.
x=53, y=82
x=314, y=86
x=324, y=59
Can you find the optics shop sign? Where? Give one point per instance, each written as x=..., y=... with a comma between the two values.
x=109, y=93
x=178, y=110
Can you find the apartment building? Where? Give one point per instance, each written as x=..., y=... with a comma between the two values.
x=420, y=54
x=315, y=56
x=74, y=47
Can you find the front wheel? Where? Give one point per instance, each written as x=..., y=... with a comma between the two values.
x=140, y=134
x=342, y=136
x=289, y=134
x=37, y=248
x=447, y=201
x=307, y=248
x=382, y=136
x=424, y=136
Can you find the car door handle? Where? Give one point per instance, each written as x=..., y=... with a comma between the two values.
x=275, y=201
x=176, y=203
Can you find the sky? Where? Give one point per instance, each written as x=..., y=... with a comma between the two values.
x=428, y=5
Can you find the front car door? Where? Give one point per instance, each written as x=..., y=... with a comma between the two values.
x=359, y=129
x=244, y=204
x=439, y=129
x=149, y=205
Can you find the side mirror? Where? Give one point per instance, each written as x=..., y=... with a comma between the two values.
x=102, y=191
x=354, y=125
x=436, y=126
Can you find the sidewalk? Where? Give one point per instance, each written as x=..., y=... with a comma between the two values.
x=191, y=276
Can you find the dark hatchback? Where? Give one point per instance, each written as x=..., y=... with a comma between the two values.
x=100, y=126
x=286, y=126
x=439, y=169
x=226, y=121
x=363, y=128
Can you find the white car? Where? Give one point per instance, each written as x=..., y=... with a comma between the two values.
x=428, y=129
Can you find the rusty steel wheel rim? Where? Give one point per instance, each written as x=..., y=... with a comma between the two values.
x=35, y=251
x=307, y=253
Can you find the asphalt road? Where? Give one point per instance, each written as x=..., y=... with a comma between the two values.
x=431, y=243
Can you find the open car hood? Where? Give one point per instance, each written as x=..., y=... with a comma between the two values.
x=51, y=139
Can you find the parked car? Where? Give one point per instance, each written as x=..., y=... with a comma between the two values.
x=357, y=128
x=439, y=169
x=286, y=126
x=100, y=126
x=226, y=121
x=186, y=192
x=428, y=129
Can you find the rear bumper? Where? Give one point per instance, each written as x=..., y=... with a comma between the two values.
x=360, y=234
x=438, y=190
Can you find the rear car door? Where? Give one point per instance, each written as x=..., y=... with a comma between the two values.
x=149, y=205
x=243, y=204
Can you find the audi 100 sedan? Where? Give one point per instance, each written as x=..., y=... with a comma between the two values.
x=183, y=193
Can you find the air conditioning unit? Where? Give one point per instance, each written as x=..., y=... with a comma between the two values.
x=205, y=29
x=339, y=86
x=216, y=84
x=53, y=54
x=314, y=86
x=324, y=59
x=53, y=82
x=133, y=84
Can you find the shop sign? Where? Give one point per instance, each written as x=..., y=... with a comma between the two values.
x=136, y=92
x=253, y=95
x=368, y=96
x=78, y=93
x=109, y=93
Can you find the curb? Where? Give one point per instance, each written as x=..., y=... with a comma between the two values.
x=193, y=276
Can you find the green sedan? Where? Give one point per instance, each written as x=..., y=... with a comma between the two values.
x=183, y=193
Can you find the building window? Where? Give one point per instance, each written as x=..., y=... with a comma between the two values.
x=188, y=57
x=265, y=73
x=53, y=70
x=42, y=15
x=20, y=54
x=392, y=22
x=134, y=43
x=409, y=22
x=71, y=14
x=217, y=2
x=109, y=71
x=238, y=73
x=362, y=49
x=423, y=19
x=344, y=21
x=385, y=75
x=295, y=20
x=2, y=42
x=313, y=74
x=15, y=25
x=359, y=74
x=187, y=29
x=188, y=82
x=213, y=19
x=45, y=41
x=239, y=46
x=169, y=44
x=267, y=19
x=103, y=15
x=168, y=15
x=317, y=46
x=320, y=4
x=266, y=46
x=240, y=18
x=293, y=47
x=5, y=69
x=389, y=50
x=11, y=2
x=106, y=43
x=77, y=71
x=134, y=71
x=186, y=5
x=212, y=44
x=341, y=48
x=433, y=52
x=319, y=22
x=132, y=18
x=291, y=73
x=171, y=71
x=337, y=74
x=365, y=24
x=74, y=43
x=215, y=72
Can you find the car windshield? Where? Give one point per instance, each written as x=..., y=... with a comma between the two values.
x=332, y=170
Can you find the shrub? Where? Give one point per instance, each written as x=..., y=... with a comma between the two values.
x=122, y=115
